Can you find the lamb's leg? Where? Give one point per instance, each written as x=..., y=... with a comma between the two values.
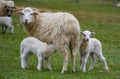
x=65, y=63
x=81, y=63
x=12, y=29
x=101, y=2
x=84, y=60
x=93, y=60
x=48, y=63
x=24, y=59
x=113, y=2
x=3, y=29
x=40, y=59
x=102, y=58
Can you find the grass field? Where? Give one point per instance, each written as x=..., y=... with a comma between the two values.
x=104, y=20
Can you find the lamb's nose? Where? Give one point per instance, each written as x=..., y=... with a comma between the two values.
x=26, y=20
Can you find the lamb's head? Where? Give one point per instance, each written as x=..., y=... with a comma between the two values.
x=87, y=34
x=27, y=15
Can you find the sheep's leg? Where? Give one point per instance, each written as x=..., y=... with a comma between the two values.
x=40, y=59
x=24, y=59
x=65, y=63
x=93, y=60
x=102, y=58
x=84, y=60
x=73, y=61
x=48, y=64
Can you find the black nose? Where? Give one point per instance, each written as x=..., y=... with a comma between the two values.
x=87, y=40
x=26, y=20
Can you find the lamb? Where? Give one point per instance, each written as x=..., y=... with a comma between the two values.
x=60, y=29
x=6, y=8
x=6, y=22
x=42, y=50
x=90, y=46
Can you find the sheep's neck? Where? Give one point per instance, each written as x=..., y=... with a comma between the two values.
x=31, y=28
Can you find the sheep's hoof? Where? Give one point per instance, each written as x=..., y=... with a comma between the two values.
x=3, y=32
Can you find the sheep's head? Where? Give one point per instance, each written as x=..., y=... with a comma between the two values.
x=87, y=34
x=27, y=15
x=10, y=6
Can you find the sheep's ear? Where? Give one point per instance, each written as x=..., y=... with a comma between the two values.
x=19, y=12
x=81, y=33
x=35, y=13
x=92, y=33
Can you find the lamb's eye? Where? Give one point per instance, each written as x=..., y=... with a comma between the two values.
x=31, y=13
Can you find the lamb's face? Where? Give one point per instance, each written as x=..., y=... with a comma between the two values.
x=27, y=16
x=86, y=35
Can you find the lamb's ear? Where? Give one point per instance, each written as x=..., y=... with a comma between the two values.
x=92, y=33
x=35, y=13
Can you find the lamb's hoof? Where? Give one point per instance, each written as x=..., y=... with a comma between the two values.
x=11, y=33
x=63, y=71
x=73, y=71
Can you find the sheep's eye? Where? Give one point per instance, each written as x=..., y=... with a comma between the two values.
x=31, y=13
x=22, y=13
x=83, y=35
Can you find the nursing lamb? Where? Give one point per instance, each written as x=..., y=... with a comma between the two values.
x=42, y=50
x=61, y=29
x=90, y=46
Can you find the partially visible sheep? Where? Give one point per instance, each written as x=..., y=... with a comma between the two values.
x=90, y=46
x=42, y=50
x=6, y=22
x=61, y=29
x=113, y=2
x=6, y=8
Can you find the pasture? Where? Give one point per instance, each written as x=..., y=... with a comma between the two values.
x=104, y=20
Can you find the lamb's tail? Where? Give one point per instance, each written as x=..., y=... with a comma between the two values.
x=21, y=49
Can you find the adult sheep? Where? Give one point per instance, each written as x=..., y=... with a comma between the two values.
x=6, y=7
x=60, y=29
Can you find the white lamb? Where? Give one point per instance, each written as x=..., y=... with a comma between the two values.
x=90, y=46
x=42, y=50
x=6, y=22
x=61, y=29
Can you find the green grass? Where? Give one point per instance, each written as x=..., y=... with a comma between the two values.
x=104, y=20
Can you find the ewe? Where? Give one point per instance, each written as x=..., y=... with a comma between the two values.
x=6, y=7
x=6, y=22
x=42, y=50
x=61, y=29
x=92, y=47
